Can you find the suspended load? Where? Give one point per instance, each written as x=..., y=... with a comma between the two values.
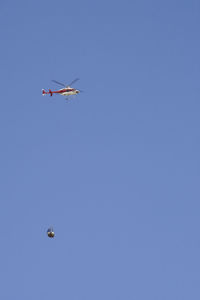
x=50, y=232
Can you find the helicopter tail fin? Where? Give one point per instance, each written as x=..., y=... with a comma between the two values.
x=43, y=92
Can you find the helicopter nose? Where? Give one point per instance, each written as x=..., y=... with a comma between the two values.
x=77, y=91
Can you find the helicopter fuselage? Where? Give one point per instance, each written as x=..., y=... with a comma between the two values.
x=64, y=92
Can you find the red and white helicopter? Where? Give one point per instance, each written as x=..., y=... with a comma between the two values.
x=66, y=91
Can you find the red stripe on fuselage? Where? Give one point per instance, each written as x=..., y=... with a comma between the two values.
x=63, y=91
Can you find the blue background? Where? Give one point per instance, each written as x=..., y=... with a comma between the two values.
x=115, y=170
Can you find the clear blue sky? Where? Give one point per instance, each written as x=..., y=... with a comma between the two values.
x=116, y=170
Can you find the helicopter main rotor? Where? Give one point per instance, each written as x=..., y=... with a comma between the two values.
x=64, y=85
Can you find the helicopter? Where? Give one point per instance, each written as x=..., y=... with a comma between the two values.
x=67, y=90
x=50, y=232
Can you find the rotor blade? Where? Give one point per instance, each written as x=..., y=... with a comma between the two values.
x=59, y=83
x=73, y=81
